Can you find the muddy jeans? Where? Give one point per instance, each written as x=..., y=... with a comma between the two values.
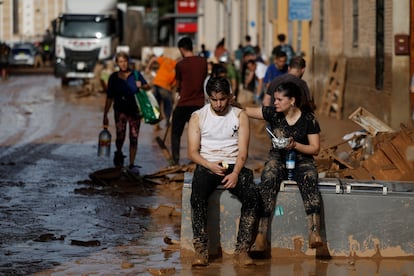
x=203, y=185
x=306, y=176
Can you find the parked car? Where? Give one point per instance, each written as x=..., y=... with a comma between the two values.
x=25, y=54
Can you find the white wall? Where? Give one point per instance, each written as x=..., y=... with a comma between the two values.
x=225, y=19
x=28, y=10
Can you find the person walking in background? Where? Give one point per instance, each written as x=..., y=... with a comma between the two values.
x=219, y=50
x=47, y=47
x=122, y=87
x=248, y=47
x=285, y=47
x=247, y=56
x=296, y=70
x=238, y=57
x=218, y=141
x=256, y=72
x=204, y=52
x=293, y=118
x=232, y=75
x=259, y=55
x=248, y=53
x=4, y=59
x=277, y=68
x=190, y=72
x=163, y=83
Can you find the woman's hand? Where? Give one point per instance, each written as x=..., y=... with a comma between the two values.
x=292, y=144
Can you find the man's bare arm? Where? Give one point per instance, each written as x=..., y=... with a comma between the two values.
x=194, y=142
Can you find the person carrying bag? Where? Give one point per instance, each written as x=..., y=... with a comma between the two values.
x=123, y=85
x=147, y=104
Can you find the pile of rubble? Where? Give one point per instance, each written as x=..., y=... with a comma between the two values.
x=378, y=153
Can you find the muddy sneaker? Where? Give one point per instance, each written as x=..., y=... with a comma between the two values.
x=200, y=260
x=243, y=259
x=119, y=159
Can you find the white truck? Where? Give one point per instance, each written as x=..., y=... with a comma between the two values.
x=88, y=32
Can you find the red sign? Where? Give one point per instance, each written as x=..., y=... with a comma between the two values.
x=187, y=6
x=187, y=27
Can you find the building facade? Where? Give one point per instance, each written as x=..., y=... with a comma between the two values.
x=27, y=20
x=366, y=33
x=263, y=20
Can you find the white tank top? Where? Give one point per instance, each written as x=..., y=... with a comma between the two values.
x=219, y=134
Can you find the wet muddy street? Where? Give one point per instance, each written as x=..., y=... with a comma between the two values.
x=50, y=211
x=54, y=220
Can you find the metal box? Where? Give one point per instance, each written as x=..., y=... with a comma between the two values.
x=364, y=219
x=402, y=44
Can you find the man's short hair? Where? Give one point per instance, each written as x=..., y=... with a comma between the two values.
x=218, y=84
x=281, y=37
x=186, y=43
x=280, y=53
x=297, y=62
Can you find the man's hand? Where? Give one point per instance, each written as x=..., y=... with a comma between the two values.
x=230, y=180
x=216, y=168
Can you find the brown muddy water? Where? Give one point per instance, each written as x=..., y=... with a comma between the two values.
x=56, y=221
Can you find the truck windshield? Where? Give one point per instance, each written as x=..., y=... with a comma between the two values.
x=83, y=28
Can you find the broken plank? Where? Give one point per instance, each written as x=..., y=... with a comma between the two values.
x=375, y=164
x=401, y=144
x=393, y=154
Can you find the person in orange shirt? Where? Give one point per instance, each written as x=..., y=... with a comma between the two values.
x=163, y=83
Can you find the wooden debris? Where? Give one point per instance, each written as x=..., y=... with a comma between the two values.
x=333, y=94
x=388, y=162
x=369, y=122
x=410, y=154
x=171, y=170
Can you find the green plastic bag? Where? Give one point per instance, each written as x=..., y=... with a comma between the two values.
x=147, y=105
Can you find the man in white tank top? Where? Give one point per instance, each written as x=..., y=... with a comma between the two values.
x=218, y=141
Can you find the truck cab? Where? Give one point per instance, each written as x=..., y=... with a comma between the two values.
x=80, y=41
